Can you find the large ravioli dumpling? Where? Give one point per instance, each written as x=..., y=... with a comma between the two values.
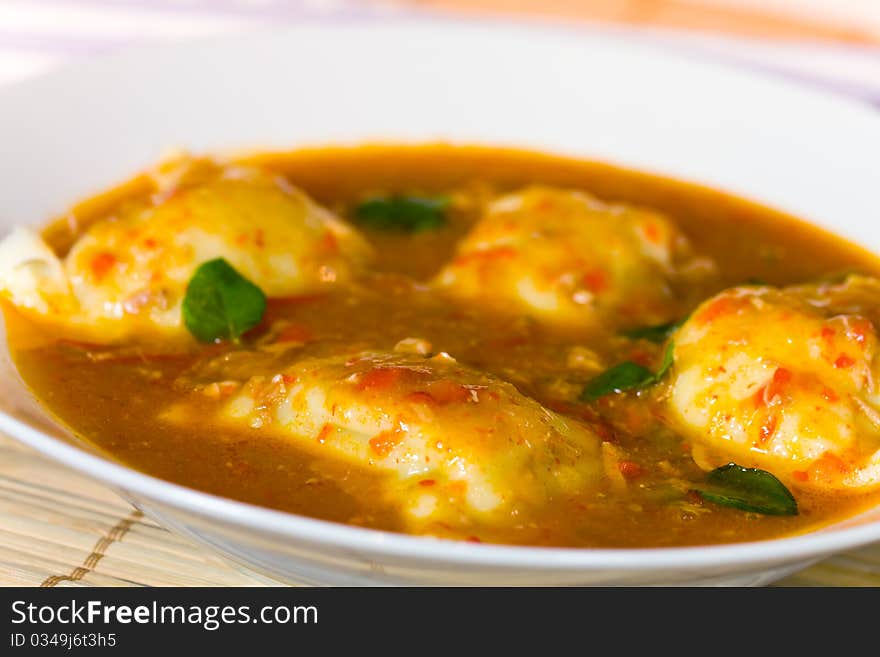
x=458, y=448
x=566, y=258
x=785, y=380
x=126, y=275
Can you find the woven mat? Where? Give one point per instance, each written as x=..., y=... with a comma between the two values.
x=58, y=528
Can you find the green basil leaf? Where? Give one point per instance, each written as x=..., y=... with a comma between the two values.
x=621, y=377
x=626, y=376
x=220, y=303
x=410, y=214
x=748, y=489
x=657, y=333
x=666, y=363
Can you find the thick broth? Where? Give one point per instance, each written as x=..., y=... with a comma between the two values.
x=110, y=397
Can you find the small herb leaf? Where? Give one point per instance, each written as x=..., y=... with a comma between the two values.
x=410, y=214
x=748, y=489
x=657, y=333
x=626, y=376
x=220, y=303
x=621, y=377
x=666, y=363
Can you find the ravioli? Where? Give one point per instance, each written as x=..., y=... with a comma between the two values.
x=568, y=259
x=784, y=380
x=459, y=448
x=125, y=277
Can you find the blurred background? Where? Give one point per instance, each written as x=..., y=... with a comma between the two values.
x=830, y=43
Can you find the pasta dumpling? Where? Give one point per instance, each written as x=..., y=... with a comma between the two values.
x=126, y=275
x=568, y=259
x=785, y=380
x=458, y=447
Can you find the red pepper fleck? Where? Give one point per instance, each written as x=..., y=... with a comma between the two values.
x=843, y=361
x=828, y=467
x=829, y=395
x=717, y=308
x=759, y=397
x=596, y=280
x=630, y=469
x=768, y=429
x=776, y=387
x=427, y=482
x=102, y=263
x=294, y=333
x=652, y=232
x=329, y=242
x=325, y=432
x=800, y=475
x=384, y=443
x=380, y=378
x=859, y=330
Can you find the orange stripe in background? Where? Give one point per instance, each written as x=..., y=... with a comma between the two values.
x=680, y=14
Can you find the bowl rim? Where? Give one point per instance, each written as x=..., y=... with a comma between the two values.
x=240, y=515
x=811, y=544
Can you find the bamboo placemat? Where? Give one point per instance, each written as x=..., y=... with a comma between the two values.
x=58, y=528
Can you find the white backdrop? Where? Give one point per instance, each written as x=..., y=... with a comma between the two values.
x=37, y=35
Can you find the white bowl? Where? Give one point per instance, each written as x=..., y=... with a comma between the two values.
x=72, y=133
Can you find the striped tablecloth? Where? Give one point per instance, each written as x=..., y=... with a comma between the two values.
x=60, y=529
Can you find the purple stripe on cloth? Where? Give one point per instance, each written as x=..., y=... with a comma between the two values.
x=843, y=87
x=235, y=8
x=864, y=93
x=301, y=11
